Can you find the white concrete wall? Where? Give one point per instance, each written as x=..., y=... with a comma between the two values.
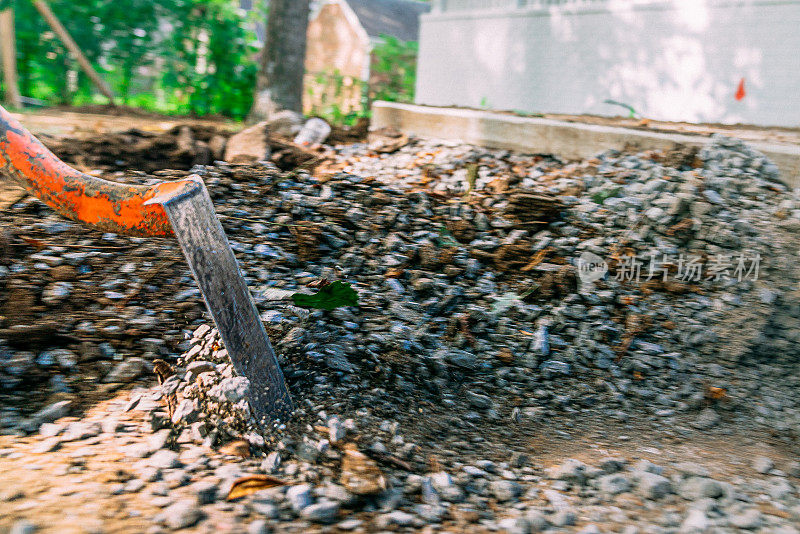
x=670, y=59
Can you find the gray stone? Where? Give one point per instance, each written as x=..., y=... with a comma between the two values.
x=183, y=514
x=126, y=371
x=537, y=521
x=763, y=465
x=482, y=402
x=271, y=462
x=158, y=440
x=613, y=484
x=336, y=431
x=349, y=524
x=22, y=526
x=707, y=418
x=505, y=490
x=186, y=412
x=321, y=512
x=233, y=389
x=259, y=526
x=652, y=486
x=780, y=489
x=50, y=413
x=564, y=518
x=164, y=459
x=696, y=522
x=397, y=517
x=206, y=491
x=515, y=525
x=46, y=445
x=299, y=496
x=571, y=470
x=748, y=519
x=700, y=488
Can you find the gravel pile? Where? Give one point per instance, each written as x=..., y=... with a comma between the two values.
x=477, y=323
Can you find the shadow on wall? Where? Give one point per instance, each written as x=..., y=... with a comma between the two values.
x=676, y=75
x=676, y=60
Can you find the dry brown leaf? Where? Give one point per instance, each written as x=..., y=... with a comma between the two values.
x=537, y=259
x=360, y=474
x=716, y=393
x=251, y=484
x=505, y=356
x=394, y=273
x=35, y=243
x=498, y=186
x=238, y=448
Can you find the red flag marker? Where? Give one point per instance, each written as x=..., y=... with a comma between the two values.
x=740, y=92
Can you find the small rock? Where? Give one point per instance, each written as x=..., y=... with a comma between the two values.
x=571, y=470
x=537, y=521
x=321, y=512
x=259, y=526
x=271, y=462
x=749, y=519
x=397, y=517
x=696, y=522
x=613, y=484
x=206, y=491
x=505, y=490
x=183, y=514
x=707, y=418
x=564, y=518
x=164, y=459
x=299, y=496
x=652, y=486
x=763, y=465
x=22, y=526
x=697, y=488
x=515, y=525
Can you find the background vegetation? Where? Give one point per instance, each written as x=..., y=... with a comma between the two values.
x=172, y=56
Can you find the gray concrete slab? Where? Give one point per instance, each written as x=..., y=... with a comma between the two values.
x=568, y=140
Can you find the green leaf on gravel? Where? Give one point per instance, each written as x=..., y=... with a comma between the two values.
x=332, y=296
x=602, y=196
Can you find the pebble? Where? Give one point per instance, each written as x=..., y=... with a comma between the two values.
x=320, y=512
x=299, y=496
x=22, y=526
x=182, y=514
x=453, y=333
x=164, y=459
x=652, y=486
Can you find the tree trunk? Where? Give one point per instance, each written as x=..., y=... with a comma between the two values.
x=9, y=53
x=44, y=9
x=280, y=79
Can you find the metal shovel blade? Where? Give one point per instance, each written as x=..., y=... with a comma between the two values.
x=206, y=248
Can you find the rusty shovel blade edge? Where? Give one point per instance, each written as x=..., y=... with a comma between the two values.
x=216, y=271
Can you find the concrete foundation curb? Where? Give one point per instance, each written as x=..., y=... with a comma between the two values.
x=567, y=140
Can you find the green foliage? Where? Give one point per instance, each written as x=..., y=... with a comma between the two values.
x=394, y=70
x=601, y=196
x=337, y=98
x=392, y=77
x=334, y=295
x=173, y=56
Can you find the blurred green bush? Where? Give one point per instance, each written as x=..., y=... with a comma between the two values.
x=171, y=56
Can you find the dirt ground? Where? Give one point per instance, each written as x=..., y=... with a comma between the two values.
x=76, y=477
x=747, y=132
x=68, y=488
x=100, y=121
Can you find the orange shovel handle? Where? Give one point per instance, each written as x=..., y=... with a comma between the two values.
x=109, y=206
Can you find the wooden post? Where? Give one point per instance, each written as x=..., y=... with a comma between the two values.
x=8, y=49
x=44, y=9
